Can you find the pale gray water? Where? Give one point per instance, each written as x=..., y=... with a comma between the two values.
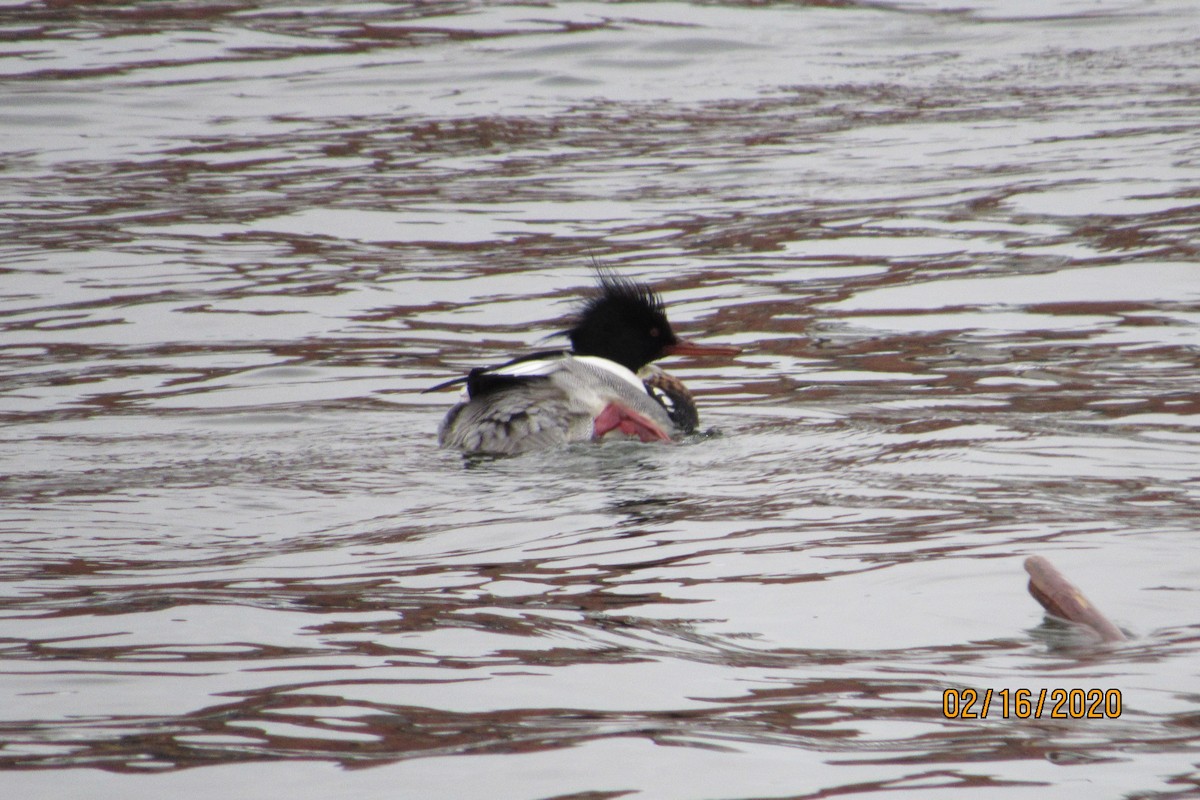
x=957, y=242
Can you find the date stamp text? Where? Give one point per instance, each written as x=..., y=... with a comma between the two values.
x=1032, y=704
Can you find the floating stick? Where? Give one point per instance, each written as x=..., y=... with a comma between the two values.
x=1062, y=599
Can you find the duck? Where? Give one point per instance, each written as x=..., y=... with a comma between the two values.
x=605, y=385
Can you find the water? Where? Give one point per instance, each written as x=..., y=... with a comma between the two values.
x=957, y=243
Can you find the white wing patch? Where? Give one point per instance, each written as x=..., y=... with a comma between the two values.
x=528, y=369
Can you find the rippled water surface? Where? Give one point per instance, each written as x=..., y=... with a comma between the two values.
x=956, y=241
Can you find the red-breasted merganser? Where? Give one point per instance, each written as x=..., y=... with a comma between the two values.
x=604, y=383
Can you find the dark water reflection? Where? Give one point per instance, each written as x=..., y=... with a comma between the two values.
x=957, y=244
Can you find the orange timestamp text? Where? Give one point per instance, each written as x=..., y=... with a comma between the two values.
x=1032, y=704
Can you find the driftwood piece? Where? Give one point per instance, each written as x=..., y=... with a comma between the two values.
x=1062, y=599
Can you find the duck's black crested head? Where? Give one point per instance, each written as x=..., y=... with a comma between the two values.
x=623, y=321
